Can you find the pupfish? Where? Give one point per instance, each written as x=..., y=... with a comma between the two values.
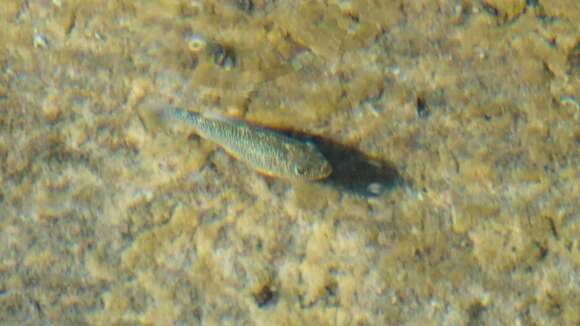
x=266, y=151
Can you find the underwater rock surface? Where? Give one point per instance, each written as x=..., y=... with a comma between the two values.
x=452, y=128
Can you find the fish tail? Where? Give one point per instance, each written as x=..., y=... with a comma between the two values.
x=178, y=119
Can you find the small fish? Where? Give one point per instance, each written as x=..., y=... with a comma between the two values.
x=264, y=150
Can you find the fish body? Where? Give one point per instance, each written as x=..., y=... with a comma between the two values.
x=264, y=150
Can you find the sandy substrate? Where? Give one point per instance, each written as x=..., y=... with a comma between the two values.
x=453, y=128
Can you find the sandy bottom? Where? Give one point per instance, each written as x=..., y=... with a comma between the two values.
x=452, y=126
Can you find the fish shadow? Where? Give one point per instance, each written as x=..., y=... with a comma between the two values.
x=355, y=172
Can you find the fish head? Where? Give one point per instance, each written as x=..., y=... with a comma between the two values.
x=306, y=162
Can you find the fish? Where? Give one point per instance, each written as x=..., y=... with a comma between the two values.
x=269, y=152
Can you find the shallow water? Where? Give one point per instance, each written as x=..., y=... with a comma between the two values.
x=452, y=127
